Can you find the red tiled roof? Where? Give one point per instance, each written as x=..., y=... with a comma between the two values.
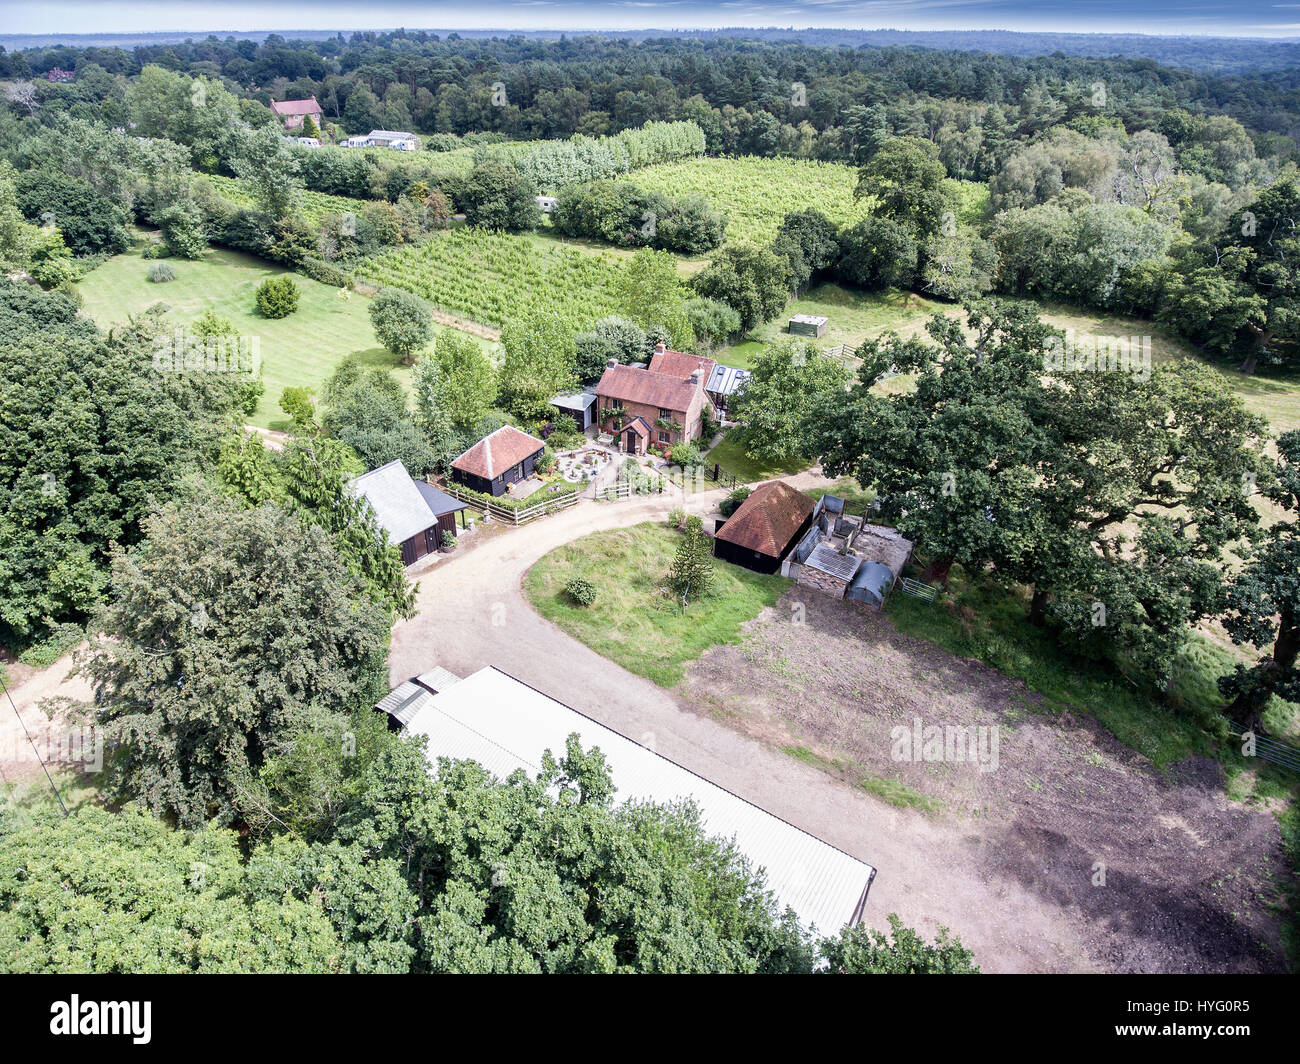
x=681, y=364
x=768, y=520
x=497, y=452
x=639, y=426
x=296, y=107
x=625, y=384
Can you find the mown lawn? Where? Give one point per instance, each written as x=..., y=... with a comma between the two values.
x=730, y=455
x=300, y=350
x=633, y=621
x=856, y=497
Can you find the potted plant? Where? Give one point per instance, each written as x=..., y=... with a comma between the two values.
x=448, y=541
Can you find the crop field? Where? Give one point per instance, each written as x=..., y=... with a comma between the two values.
x=314, y=204
x=755, y=194
x=490, y=277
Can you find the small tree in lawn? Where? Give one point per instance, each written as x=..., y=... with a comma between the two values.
x=691, y=575
x=402, y=322
x=277, y=297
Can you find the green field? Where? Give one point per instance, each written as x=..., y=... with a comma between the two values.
x=314, y=204
x=490, y=276
x=633, y=622
x=755, y=193
x=301, y=349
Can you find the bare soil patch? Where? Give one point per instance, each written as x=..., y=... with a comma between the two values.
x=1189, y=876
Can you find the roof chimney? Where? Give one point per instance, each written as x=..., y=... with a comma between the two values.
x=660, y=348
x=695, y=376
x=612, y=363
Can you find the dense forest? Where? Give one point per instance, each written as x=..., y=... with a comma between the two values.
x=596, y=85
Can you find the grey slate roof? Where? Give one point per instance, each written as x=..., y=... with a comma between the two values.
x=398, y=506
x=439, y=502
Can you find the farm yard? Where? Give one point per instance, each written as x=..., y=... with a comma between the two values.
x=488, y=276
x=1087, y=574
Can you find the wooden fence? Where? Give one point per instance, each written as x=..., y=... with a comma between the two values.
x=509, y=514
x=625, y=489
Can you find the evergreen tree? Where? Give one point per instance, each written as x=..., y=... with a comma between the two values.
x=691, y=574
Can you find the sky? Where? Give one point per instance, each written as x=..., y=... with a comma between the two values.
x=1244, y=18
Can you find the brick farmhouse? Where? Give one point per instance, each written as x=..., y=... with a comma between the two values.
x=292, y=112
x=658, y=406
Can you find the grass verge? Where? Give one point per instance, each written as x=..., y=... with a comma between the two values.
x=633, y=622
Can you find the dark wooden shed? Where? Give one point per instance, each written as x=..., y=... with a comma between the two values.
x=764, y=527
x=498, y=460
x=414, y=514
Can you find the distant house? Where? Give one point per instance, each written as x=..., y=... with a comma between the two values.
x=498, y=460
x=60, y=75
x=292, y=112
x=579, y=407
x=654, y=407
x=764, y=527
x=414, y=514
x=723, y=384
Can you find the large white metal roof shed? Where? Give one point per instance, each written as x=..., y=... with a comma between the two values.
x=504, y=725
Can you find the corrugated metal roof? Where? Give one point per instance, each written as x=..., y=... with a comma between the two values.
x=504, y=725
x=871, y=583
x=580, y=401
x=437, y=679
x=828, y=560
x=403, y=701
x=399, y=508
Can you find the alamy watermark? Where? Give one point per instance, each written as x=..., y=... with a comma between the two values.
x=953, y=743
x=182, y=352
x=80, y=747
x=1087, y=353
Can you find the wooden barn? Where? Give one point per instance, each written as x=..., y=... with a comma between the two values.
x=414, y=514
x=498, y=460
x=764, y=527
